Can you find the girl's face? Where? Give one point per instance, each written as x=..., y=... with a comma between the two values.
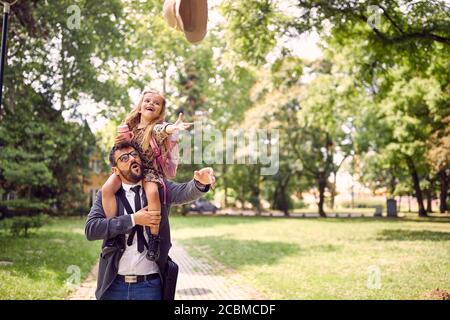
x=151, y=106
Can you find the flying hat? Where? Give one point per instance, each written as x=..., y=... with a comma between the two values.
x=189, y=16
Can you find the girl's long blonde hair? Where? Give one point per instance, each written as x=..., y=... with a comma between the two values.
x=134, y=118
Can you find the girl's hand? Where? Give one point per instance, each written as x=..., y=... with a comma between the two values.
x=121, y=137
x=178, y=125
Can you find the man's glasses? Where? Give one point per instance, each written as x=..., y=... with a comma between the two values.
x=126, y=156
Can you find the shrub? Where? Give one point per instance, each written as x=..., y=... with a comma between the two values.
x=19, y=226
x=363, y=204
x=300, y=204
x=24, y=206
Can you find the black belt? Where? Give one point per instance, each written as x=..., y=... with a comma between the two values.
x=137, y=279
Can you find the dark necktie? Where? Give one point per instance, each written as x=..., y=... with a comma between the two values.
x=138, y=229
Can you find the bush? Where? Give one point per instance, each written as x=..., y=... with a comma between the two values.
x=19, y=226
x=299, y=204
x=24, y=206
x=363, y=204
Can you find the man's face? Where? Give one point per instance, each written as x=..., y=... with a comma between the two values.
x=128, y=164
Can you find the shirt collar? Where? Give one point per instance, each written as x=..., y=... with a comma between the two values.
x=127, y=187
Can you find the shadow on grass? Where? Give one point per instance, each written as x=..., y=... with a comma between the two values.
x=238, y=253
x=384, y=219
x=412, y=235
x=199, y=221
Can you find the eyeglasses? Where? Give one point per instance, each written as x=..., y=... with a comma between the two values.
x=126, y=156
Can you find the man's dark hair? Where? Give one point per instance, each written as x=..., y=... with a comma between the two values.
x=119, y=146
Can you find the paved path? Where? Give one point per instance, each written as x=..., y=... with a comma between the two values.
x=86, y=291
x=197, y=280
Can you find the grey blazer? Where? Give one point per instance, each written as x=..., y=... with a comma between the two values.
x=100, y=228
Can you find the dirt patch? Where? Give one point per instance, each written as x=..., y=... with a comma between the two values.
x=439, y=294
x=59, y=241
x=6, y=263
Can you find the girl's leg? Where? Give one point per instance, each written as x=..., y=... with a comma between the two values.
x=109, y=189
x=152, y=194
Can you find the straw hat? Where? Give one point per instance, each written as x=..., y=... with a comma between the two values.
x=189, y=16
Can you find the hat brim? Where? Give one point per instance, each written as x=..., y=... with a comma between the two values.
x=189, y=16
x=194, y=14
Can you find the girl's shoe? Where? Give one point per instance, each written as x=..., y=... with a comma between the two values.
x=153, y=247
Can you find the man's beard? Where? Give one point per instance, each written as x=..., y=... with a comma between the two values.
x=130, y=175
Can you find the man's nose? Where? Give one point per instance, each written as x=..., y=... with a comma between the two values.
x=135, y=157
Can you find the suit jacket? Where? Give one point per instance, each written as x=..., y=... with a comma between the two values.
x=98, y=227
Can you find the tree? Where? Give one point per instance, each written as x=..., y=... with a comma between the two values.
x=439, y=158
x=52, y=66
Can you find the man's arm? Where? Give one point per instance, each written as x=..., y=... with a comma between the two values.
x=181, y=193
x=98, y=227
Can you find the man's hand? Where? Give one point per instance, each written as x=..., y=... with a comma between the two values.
x=205, y=176
x=145, y=217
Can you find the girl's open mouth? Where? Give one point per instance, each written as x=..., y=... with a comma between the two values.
x=150, y=109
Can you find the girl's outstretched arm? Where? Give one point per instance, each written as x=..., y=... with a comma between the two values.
x=178, y=125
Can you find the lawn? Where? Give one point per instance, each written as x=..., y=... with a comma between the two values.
x=43, y=262
x=357, y=258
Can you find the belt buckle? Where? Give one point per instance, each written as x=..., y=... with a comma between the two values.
x=131, y=279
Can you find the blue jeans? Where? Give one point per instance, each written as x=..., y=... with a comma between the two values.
x=145, y=290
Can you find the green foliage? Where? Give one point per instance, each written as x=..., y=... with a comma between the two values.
x=252, y=28
x=45, y=141
x=378, y=96
x=21, y=225
x=24, y=205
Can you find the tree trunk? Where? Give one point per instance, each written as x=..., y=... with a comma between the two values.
x=416, y=185
x=430, y=194
x=281, y=200
x=255, y=191
x=392, y=185
x=443, y=180
x=322, y=182
x=333, y=190
x=225, y=186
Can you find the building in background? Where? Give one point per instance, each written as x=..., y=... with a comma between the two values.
x=99, y=173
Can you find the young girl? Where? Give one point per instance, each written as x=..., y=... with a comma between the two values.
x=145, y=120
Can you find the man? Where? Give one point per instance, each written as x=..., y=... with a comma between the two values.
x=124, y=272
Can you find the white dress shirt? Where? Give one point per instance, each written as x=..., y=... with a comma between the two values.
x=134, y=262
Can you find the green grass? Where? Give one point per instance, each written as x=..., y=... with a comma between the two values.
x=288, y=258
x=43, y=262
